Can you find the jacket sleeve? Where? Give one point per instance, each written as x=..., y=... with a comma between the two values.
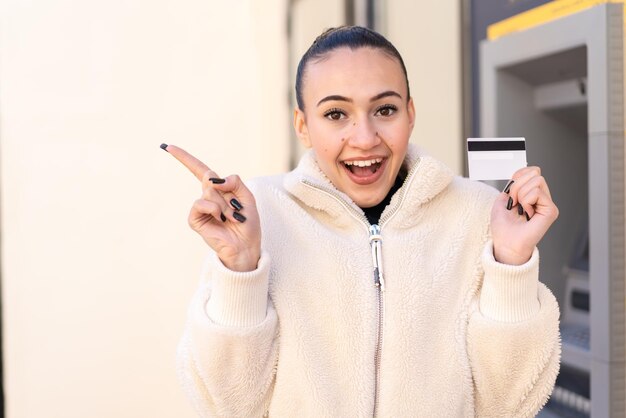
x=513, y=340
x=227, y=356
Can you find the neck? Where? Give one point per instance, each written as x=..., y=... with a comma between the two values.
x=373, y=213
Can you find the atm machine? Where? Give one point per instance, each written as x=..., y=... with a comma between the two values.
x=561, y=86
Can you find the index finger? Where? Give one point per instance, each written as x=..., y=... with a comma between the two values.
x=197, y=167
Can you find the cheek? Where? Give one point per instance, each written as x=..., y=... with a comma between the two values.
x=328, y=143
x=329, y=153
x=325, y=152
x=395, y=136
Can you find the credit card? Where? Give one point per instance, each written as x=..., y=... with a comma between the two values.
x=495, y=158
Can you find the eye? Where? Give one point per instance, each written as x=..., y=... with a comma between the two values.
x=334, y=114
x=386, y=110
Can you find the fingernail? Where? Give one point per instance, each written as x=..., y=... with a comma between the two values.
x=527, y=217
x=164, y=147
x=507, y=188
x=216, y=180
x=509, y=204
x=235, y=204
x=222, y=217
x=520, y=209
x=239, y=217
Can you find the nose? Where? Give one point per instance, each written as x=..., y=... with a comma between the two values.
x=364, y=134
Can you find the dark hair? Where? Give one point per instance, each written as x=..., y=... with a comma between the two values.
x=353, y=37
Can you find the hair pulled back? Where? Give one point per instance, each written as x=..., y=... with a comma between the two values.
x=353, y=37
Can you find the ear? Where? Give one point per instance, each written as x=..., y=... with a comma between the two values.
x=299, y=124
x=411, y=110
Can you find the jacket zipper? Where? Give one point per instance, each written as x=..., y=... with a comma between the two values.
x=376, y=243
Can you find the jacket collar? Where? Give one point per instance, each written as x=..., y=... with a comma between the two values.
x=426, y=179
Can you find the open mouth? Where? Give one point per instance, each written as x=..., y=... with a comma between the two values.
x=363, y=168
x=364, y=172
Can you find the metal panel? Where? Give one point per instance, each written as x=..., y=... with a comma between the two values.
x=587, y=44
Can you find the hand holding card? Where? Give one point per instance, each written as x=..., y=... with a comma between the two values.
x=521, y=215
x=524, y=211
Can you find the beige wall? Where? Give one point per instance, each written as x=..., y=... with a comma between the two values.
x=98, y=263
x=309, y=18
x=427, y=34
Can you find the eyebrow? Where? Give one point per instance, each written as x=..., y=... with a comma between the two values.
x=379, y=96
x=387, y=93
x=334, y=97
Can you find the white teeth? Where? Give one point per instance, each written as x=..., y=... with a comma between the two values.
x=364, y=163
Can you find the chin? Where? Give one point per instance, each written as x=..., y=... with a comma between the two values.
x=368, y=201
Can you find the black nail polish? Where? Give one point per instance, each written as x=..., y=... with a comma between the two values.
x=216, y=180
x=164, y=147
x=509, y=204
x=527, y=217
x=239, y=217
x=235, y=204
x=520, y=209
x=222, y=217
x=507, y=189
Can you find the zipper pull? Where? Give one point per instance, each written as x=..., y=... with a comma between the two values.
x=376, y=244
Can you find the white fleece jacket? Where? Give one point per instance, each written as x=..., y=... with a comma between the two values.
x=462, y=335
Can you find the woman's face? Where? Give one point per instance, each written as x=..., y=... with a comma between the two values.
x=357, y=120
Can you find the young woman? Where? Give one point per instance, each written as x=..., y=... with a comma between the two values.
x=369, y=281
